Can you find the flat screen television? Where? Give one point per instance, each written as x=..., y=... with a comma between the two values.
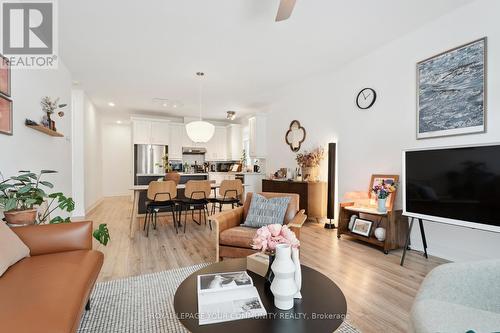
x=457, y=185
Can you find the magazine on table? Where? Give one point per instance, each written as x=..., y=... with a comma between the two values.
x=227, y=297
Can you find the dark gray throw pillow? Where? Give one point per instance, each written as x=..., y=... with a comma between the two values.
x=265, y=211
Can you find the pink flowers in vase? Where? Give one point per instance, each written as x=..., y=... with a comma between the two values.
x=267, y=237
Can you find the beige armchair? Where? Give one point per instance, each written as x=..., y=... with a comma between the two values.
x=234, y=240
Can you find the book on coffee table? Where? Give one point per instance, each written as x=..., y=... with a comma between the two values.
x=227, y=297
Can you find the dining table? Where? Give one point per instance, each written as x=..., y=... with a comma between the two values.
x=136, y=189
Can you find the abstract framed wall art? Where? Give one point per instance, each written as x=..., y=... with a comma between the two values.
x=5, y=115
x=4, y=76
x=451, y=92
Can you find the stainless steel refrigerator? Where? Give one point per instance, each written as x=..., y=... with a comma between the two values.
x=148, y=158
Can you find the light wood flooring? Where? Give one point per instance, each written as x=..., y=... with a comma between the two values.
x=379, y=291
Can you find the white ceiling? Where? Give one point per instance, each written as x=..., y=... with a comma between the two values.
x=129, y=52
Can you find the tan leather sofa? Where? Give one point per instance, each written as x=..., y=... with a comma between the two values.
x=48, y=291
x=234, y=241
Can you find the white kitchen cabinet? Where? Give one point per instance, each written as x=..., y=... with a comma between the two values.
x=220, y=138
x=150, y=131
x=141, y=130
x=217, y=146
x=186, y=141
x=257, y=127
x=211, y=147
x=177, y=131
x=234, y=142
x=160, y=133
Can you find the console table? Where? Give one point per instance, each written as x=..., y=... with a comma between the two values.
x=312, y=194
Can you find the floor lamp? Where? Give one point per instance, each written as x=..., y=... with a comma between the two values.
x=330, y=213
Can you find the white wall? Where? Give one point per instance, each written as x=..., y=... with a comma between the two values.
x=77, y=152
x=31, y=150
x=116, y=158
x=93, y=155
x=371, y=141
x=87, y=154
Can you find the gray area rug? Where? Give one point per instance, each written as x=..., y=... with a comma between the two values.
x=142, y=304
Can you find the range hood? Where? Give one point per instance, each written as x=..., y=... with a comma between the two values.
x=193, y=151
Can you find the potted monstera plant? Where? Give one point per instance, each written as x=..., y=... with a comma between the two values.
x=22, y=199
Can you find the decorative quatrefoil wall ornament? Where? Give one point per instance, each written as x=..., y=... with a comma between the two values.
x=295, y=135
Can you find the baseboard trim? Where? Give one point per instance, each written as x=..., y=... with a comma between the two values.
x=94, y=206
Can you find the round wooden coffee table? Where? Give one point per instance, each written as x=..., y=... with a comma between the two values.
x=322, y=308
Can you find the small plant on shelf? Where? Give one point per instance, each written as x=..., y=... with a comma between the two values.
x=22, y=199
x=243, y=160
x=49, y=106
x=165, y=164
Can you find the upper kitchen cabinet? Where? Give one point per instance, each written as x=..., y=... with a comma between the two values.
x=257, y=136
x=150, y=131
x=217, y=146
x=141, y=131
x=177, y=131
x=234, y=142
x=160, y=133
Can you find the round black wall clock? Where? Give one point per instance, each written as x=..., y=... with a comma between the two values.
x=366, y=98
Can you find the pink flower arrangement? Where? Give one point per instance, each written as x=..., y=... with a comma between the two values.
x=267, y=237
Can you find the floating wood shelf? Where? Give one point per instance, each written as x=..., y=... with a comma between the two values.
x=45, y=130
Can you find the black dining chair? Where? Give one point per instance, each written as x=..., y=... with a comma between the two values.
x=196, y=199
x=230, y=192
x=161, y=195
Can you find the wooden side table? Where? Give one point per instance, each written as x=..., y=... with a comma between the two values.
x=396, y=228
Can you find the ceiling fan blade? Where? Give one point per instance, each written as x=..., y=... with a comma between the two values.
x=285, y=10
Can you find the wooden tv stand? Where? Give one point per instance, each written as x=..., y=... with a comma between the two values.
x=396, y=228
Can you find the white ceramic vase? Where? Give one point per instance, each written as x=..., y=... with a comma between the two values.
x=380, y=234
x=381, y=205
x=298, y=272
x=283, y=286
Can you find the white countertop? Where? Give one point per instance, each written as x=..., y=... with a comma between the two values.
x=162, y=174
x=200, y=174
x=251, y=173
x=237, y=173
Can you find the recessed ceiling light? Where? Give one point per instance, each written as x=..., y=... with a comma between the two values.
x=76, y=82
x=167, y=103
x=111, y=104
x=118, y=122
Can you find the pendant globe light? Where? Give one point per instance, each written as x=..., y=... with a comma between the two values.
x=200, y=131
